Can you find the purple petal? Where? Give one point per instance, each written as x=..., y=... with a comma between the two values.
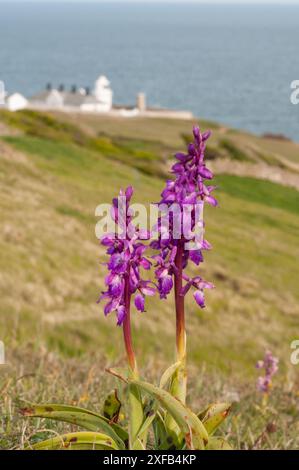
x=192, y=149
x=129, y=193
x=108, y=240
x=134, y=279
x=196, y=133
x=173, y=254
x=108, y=309
x=205, y=172
x=211, y=200
x=150, y=291
x=170, y=184
x=112, y=305
x=118, y=263
x=206, y=245
x=264, y=384
x=186, y=289
x=165, y=285
x=259, y=364
x=139, y=302
x=205, y=285
x=182, y=157
x=116, y=286
x=190, y=199
x=155, y=245
x=144, y=234
x=177, y=168
x=168, y=196
x=104, y=295
x=161, y=272
x=199, y=297
x=206, y=135
x=121, y=314
x=146, y=264
x=196, y=257
x=140, y=250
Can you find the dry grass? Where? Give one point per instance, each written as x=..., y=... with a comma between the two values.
x=43, y=377
x=50, y=275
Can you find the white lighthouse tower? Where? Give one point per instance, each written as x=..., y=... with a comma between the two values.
x=103, y=94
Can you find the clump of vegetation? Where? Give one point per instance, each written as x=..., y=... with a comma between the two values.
x=161, y=407
x=233, y=151
x=44, y=126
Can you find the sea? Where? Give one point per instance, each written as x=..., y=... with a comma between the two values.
x=233, y=64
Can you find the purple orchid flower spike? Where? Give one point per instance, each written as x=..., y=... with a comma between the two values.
x=124, y=281
x=189, y=188
x=270, y=366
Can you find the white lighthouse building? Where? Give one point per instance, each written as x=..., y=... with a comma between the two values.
x=13, y=102
x=81, y=99
x=101, y=99
x=103, y=92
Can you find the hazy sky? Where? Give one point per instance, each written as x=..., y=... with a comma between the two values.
x=279, y=2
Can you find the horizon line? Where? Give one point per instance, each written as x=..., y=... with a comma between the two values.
x=182, y=2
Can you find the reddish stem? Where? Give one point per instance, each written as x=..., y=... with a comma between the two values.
x=179, y=304
x=127, y=328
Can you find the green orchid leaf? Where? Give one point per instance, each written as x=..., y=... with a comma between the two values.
x=178, y=389
x=80, y=417
x=112, y=407
x=163, y=440
x=159, y=430
x=194, y=432
x=214, y=415
x=149, y=413
x=168, y=374
x=137, y=440
x=201, y=414
x=77, y=441
x=217, y=443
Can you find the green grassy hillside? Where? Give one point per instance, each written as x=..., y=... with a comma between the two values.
x=55, y=170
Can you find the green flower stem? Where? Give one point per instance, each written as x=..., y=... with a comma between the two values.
x=178, y=388
x=128, y=333
x=265, y=400
x=134, y=396
x=179, y=385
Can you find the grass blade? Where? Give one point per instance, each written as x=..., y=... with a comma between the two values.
x=217, y=443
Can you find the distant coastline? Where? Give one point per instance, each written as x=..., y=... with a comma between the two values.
x=197, y=58
x=98, y=100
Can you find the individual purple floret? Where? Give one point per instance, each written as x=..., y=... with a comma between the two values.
x=270, y=366
x=126, y=252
